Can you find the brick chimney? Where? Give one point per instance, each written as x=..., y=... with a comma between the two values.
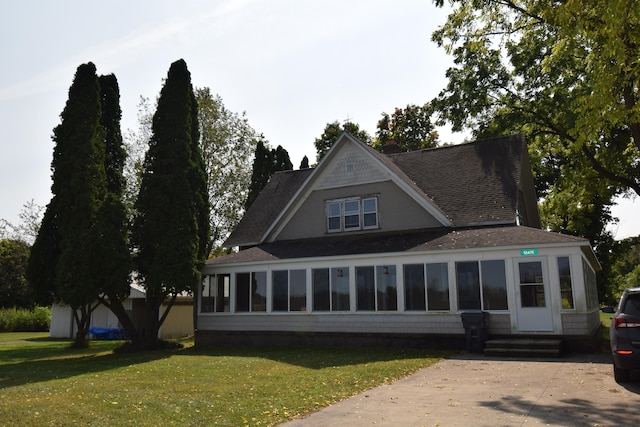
x=390, y=147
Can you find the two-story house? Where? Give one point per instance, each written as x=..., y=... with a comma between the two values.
x=373, y=248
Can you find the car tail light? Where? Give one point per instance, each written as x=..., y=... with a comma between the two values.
x=621, y=322
x=624, y=352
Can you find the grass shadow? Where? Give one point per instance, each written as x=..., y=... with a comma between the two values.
x=52, y=360
x=317, y=357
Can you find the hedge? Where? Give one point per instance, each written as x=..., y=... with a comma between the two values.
x=24, y=320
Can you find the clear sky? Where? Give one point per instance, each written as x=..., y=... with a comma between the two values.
x=292, y=65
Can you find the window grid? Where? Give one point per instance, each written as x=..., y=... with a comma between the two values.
x=352, y=214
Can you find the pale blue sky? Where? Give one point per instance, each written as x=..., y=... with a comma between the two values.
x=291, y=65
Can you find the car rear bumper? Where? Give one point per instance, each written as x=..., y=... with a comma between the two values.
x=627, y=361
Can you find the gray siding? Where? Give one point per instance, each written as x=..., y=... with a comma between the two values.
x=448, y=323
x=396, y=211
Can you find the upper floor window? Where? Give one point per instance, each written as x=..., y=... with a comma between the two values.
x=352, y=214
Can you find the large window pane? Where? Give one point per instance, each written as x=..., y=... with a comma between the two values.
x=468, y=283
x=207, y=299
x=494, y=285
x=223, y=292
x=590, y=284
x=243, y=281
x=298, y=290
x=352, y=214
x=386, y=288
x=370, y=212
x=414, y=297
x=259, y=292
x=340, y=289
x=365, y=287
x=531, y=284
x=334, y=216
x=566, y=287
x=438, y=286
x=320, y=284
x=280, y=283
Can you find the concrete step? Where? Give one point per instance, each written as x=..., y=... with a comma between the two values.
x=524, y=347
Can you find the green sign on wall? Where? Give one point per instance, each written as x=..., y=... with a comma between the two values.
x=528, y=252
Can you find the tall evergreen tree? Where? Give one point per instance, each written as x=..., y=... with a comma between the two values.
x=110, y=230
x=262, y=170
x=81, y=252
x=169, y=225
x=281, y=160
x=304, y=164
x=44, y=256
x=266, y=163
x=79, y=184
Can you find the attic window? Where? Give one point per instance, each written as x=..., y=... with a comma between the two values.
x=351, y=167
x=352, y=214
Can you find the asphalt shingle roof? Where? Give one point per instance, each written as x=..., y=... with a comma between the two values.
x=439, y=239
x=471, y=183
x=267, y=206
x=474, y=183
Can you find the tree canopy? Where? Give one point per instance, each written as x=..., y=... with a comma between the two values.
x=566, y=74
x=410, y=128
x=228, y=143
x=14, y=287
x=332, y=132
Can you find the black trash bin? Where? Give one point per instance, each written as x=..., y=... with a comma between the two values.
x=476, y=330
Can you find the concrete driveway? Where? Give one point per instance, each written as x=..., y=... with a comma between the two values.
x=472, y=390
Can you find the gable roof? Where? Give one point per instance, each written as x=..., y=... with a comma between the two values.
x=475, y=183
x=267, y=207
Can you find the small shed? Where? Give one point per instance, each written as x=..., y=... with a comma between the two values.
x=178, y=324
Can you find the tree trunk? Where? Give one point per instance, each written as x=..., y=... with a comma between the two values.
x=116, y=307
x=151, y=323
x=82, y=316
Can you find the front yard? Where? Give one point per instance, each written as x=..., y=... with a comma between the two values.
x=43, y=382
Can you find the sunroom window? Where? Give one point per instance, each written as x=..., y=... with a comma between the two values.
x=352, y=214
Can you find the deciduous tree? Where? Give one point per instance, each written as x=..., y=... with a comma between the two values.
x=564, y=71
x=14, y=288
x=409, y=127
x=228, y=143
x=566, y=75
x=332, y=132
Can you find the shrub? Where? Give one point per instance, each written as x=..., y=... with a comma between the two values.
x=37, y=319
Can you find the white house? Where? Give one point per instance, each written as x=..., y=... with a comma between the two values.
x=391, y=248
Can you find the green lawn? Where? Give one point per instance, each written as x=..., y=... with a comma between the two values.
x=605, y=318
x=43, y=382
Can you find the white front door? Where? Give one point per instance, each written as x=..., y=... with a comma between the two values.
x=533, y=297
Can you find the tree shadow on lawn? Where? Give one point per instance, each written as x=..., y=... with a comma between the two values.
x=318, y=357
x=567, y=412
x=33, y=364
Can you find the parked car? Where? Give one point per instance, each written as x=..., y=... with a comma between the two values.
x=625, y=335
